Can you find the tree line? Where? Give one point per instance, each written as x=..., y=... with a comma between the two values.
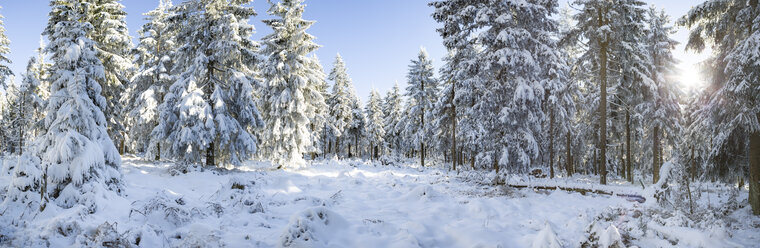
x=525, y=84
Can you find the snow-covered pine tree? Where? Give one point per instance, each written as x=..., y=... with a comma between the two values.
x=41, y=72
x=291, y=98
x=209, y=110
x=733, y=29
x=354, y=132
x=113, y=45
x=74, y=162
x=392, y=114
x=559, y=106
x=375, y=125
x=23, y=107
x=152, y=80
x=319, y=121
x=340, y=104
x=600, y=27
x=423, y=90
x=662, y=110
x=5, y=71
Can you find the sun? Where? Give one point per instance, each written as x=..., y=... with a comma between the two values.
x=689, y=76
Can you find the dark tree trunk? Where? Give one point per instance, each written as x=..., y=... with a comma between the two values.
x=655, y=154
x=628, y=158
x=754, y=171
x=568, y=156
x=603, y=103
x=551, y=143
x=210, y=155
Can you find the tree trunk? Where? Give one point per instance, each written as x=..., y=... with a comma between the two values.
x=603, y=116
x=754, y=171
x=210, y=155
x=655, y=155
x=453, y=130
x=693, y=172
x=628, y=158
x=158, y=151
x=603, y=101
x=568, y=156
x=551, y=143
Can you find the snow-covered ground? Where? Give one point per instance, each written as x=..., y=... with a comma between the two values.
x=362, y=204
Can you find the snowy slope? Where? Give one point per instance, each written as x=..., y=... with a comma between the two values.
x=349, y=204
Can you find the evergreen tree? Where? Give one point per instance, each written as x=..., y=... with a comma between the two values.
x=152, y=80
x=74, y=162
x=113, y=45
x=733, y=29
x=210, y=106
x=663, y=111
x=321, y=116
x=23, y=107
x=356, y=129
x=422, y=91
x=291, y=97
x=392, y=114
x=339, y=103
x=5, y=71
x=375, y=125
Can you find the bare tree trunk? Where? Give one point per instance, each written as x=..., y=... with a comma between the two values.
x=551, y=143
x=693, y=169
x=754, y=171
x=568, y=156
x=453, y=130
x=158, y=151
x=629, y=169
x=210, y=154
x=655, y=155
x=603, y=116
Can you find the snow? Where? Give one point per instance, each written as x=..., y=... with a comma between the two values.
x=350, y=203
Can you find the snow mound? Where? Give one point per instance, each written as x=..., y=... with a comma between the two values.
x=611, y=237
x=546, y=238
x=422, y=192
x=313, y=227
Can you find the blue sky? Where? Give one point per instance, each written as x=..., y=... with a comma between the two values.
x=377, y=38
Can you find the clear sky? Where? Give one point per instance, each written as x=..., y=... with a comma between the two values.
x=377, y=38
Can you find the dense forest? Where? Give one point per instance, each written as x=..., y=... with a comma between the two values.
x=528, y=89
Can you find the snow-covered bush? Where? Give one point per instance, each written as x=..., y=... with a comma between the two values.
x=106, y=235
x=313, y=227
x=239, y=194
x=162, y=209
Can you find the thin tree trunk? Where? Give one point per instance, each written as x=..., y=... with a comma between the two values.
x=568, y=156
x=628, y=158
x=210, y=155
x=453, y=130
x=655, y=155
x=158, y=151
x=693, y=169
x=551, y=143
x=754, y=171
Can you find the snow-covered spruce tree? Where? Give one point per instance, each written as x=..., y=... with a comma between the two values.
x=733, y=28
x=340, y=116
x=209, y=110
x=355, y=131
x=152, y=80
x=514, y=39
x=600, y=24
x=291, y=97
x=113, y=45
x=23, y=106
x=318, y=123
x=662, y=109
x=5, y=71
x=78, y=162
x=375, y=130
x=392, y=113
x=456, y=74
x=423, y=90
x=559, y=106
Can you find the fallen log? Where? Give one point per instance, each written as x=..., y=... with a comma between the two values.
x=628, y=197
